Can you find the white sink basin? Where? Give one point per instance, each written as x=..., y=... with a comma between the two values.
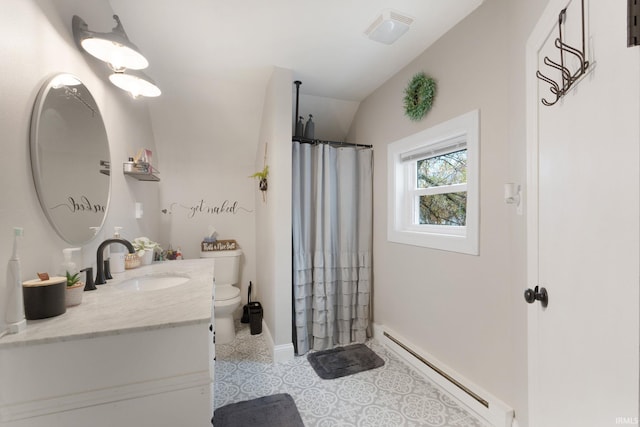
x=152, y=282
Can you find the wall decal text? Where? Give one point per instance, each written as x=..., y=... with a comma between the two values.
x=81, y=205
x=202, y=207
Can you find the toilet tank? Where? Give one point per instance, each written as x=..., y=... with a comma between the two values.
x=226, y=266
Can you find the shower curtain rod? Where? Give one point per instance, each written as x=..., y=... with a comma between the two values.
x=332, y=143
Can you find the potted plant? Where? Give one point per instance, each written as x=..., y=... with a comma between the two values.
x=75, y=290
x=262, y=177
x=145, y=248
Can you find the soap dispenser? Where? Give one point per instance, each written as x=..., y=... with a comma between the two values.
x=117, y=254
x=68, y=266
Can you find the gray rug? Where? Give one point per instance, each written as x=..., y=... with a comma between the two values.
x=342, y=361
x=278, y=410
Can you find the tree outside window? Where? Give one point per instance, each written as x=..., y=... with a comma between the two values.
x=439, y=177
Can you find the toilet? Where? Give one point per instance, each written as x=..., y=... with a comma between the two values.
x=227, y=296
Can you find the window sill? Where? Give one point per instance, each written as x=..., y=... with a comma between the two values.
x=446, y=242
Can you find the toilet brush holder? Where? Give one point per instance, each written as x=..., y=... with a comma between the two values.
x=255, y=317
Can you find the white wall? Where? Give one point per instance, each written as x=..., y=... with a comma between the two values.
x=467, y=311
x=37, y=42
x=207, y=156
x=273, y=217
x=331, y=117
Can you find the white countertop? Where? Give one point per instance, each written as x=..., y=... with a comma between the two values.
x=111, y=311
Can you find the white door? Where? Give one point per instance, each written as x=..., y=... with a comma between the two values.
x=583, y=224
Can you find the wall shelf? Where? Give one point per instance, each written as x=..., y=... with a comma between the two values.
x=141, y=172
x=143, y=176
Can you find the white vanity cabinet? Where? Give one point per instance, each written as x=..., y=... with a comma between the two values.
x=147, y=362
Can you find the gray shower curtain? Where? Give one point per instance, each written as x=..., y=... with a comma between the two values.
x=332, y=244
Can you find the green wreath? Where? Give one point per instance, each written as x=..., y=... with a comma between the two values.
x=418, y=96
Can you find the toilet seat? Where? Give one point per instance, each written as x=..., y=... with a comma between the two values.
x=228, y=292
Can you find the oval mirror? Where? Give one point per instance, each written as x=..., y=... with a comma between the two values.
x=70, y=158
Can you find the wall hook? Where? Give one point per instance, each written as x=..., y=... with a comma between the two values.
x=568, y=78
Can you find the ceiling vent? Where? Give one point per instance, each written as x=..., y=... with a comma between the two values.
x=388, y=27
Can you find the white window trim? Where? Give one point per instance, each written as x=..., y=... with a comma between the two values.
x=400, y=227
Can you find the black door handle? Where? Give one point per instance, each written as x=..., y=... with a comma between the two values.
x=537, y=294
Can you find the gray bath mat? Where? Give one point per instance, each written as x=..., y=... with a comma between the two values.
x=278, y=410
x=342, y=361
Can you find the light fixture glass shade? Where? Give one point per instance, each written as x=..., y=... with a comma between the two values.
x=114, y=48
x=136, y=83
x=118, y=56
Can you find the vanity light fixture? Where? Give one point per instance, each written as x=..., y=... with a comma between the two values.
x=114, y=48
x=122, y=57
x=136, y=83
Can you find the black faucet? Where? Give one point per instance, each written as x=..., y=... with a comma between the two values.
x=88, y=281
x=100, y=280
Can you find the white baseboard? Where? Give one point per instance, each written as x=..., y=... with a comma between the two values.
x=283, y=353
x=280, y=353
x=492, y=410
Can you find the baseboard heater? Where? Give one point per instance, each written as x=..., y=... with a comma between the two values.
x=478, y=400
x=440, y=372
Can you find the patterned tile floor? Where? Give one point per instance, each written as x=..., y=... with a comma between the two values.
x=393, y=395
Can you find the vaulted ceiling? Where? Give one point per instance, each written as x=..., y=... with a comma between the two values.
x=323, y=42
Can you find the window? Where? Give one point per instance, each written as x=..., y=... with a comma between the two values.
x=433, y=187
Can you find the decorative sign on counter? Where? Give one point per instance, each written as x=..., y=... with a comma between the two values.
x=201, y=207
x=219, y=245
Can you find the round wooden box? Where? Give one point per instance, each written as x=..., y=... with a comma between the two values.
x=44, y=298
